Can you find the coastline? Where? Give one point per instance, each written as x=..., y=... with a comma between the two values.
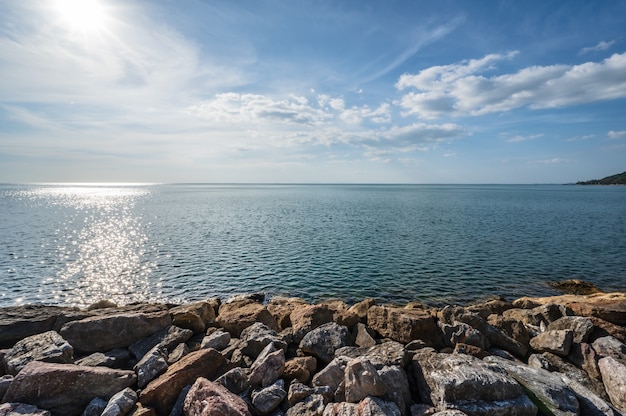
x=246, y=355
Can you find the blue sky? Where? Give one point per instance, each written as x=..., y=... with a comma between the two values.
x=312, y=91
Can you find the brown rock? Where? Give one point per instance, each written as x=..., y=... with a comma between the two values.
x=300, y=368
x=139, y=410
x=557, y=342
x=362, y=380
x=281, y=307
x=342, y=315
x=361, y=308
x=306, y=318
x=585, y=358
x=404, y=325
x=511, y=327
x=364, y=336
x=195, y=316
x=103, y=333
x=603, y=328
x=575, y=287
x=207, y=399
x=542, y=314
x=491, y=307
x=65, y=389
x=161, y=393
x=240, y=314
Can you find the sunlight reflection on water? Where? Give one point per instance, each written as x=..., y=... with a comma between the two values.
x=101, y=244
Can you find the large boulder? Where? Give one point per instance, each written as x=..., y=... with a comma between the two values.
x=609, y=347
x=103, y=333
x=281, y=307
x=194, y=316
x=462, y=382
x=116, y=358
x=206, y=398
x=581, y=327
x=306, y=318
x=300, y=368
x=237, y=315
x=162, y=392
x=21, y=409
x=380, y=355
x=121, y=403
x=49, y=347
x=257, y=336
x=66, y=389
x=614, y=378
x=269, y=398
x=398, y=387
x=557, y=342
x=167, y=338
x=404, y=325
x=153, y=364
x=269, y=365
x=361, y=380
x=322, y=341
x=361, y=308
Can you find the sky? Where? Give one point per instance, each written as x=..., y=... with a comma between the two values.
x=321, y=91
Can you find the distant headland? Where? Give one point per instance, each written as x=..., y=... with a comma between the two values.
x=618, y=179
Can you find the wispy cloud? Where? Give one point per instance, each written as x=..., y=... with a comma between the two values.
x=617, y=134
x=601, y=46
x=461, y=90
x=553, y=161
x=518, y=138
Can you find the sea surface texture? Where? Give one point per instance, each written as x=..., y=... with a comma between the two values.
x=77, y=244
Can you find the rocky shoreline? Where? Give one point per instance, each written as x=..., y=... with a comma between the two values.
x=562, y=355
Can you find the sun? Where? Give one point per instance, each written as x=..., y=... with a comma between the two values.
x=85, y=16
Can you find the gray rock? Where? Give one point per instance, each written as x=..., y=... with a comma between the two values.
x=557, y=342
x=177, y=353
x=404, y=325
x=207, y=398
x=48, y=347
x=590, y=403
x=20, y=409
x=364, y=336
x=95, y=407
x=268, y=366
x=450, y=412
x=386, y=354
x=559, y=365
x=398, y=387
x=332, y=374
x=117, y=358
x=218, y=340
x=269, y=398
x=468, y=384
x=546, y=389
x=257, y=336
x=362, y=380
x=121, y=403
x=103, y=333
x=5, y=382
x=235, y=380
x=580, y=326
x=178, y=409
x=313, y=405
x=543, y=314
x=73, y=388
x=459, y=332
x=370, y=406
x=152, y=365
x=167, y=338
x=614, y=378
x=322, y=341
x=609, y=347
x=538, y=361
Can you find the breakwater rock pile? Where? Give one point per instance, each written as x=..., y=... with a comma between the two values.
x=561, y=355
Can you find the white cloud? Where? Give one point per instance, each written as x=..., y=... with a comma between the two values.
x=601, y=46
x=461, y=90
x=553, y=161
x=617, y=134
x=518, y=139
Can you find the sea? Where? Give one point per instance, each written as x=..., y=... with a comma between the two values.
x=75, y=244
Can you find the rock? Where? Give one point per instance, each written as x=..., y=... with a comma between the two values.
x=450, y=412
x=460, y=332
x=300, y=368
x=95, y=407
x=581, y=327
x=404, y=325
x=19, y=322
x=5, y=382
x=217, y=340
x=268, y=366
x=152, y=365
x=102, y=304
x=590, y=403
x=546, y=389
x=313, y=405
x=117, y=358
x=614, y=378
x=342, y=315
x=545, y=314
x=66, y=389
x=398, y=388
x=194, y=316
x=538, y=361
x=467, y=384
x=511, y=327
x=139, y=410
x=361, y=308
x=362, y=380
x=609, y=347
x=269, y=398
x=161, y=393
x=603, y=328
x=103, y=333
x=206, y=398
x=496, y=338
x=179, y=404
x=364, y=336
x=48, y=347
x=121, y=403
x=235, y=380
x=559, y=365
x=281, y=307
x=306, y=318
x=257, y=336
x=167, y=338
x=557, y=342
x=20, y=409
x=386, y=354
x=472, y=350
x=322, y=341
x=491, y=307
x=298, y=392
x=179, y=352
x=370, y=406
x=575, y=287
x=240, y=314
x=584, y=357
x=332, y=374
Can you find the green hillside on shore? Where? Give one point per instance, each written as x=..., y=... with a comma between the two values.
x=619, y=179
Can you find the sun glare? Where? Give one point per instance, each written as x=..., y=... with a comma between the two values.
x=86, y=16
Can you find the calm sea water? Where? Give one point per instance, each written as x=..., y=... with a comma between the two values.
x=77, y=244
